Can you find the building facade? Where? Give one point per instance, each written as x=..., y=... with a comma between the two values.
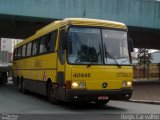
x=6, y=49
x=156, y=57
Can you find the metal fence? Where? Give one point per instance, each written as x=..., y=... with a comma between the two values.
x=151, y=72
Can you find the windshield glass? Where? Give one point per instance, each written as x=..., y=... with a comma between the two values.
x=85, y=46
x=116, y=47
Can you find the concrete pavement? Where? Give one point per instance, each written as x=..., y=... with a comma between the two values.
x=146, y=91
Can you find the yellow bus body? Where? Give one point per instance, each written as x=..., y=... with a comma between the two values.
x=38, y=71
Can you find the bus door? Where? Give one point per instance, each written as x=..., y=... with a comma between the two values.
x=61, y=64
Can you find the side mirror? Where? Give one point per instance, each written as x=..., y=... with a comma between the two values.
x=64, y=41
x=131, y=46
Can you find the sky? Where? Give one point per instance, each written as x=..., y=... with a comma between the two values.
x=151, y=50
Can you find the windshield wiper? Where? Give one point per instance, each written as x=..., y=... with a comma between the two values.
x=110, y=55
x=87, y=58
x=92, y=57
x=91, y=62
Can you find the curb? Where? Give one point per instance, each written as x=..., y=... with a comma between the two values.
x=145, y=101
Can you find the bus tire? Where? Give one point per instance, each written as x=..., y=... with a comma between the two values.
x=101, y=103
x=24, y=91
x=51, y=93
x=19, y=85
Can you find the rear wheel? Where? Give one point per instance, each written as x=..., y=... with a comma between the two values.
x=23, y=87
x=20, y=85
x=102, y=102
x=52, y=93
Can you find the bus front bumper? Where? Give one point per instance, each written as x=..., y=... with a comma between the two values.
x=94, y=95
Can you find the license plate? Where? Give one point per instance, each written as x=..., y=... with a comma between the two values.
x=103, y=98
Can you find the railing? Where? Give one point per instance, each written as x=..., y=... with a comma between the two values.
x=151, y=72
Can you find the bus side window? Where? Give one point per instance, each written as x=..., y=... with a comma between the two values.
x=19, y=52
x=42, y=47
x=62, y=43
x=48, y=42
x=15, y=54
x=35, y=47
x=24, y=51
x=62, y=46
x=29, y=49
x=51, y=41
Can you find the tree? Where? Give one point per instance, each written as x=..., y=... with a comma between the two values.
x=144, y=58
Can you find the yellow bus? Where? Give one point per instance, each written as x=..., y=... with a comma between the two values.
x=76, y=59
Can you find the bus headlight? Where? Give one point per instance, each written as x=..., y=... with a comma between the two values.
x=126, y=83
x=74, y=84
x=78, y=84
x=129, y=83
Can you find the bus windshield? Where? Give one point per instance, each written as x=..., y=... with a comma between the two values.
x=97, y=46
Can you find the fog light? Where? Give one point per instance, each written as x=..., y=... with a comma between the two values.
x=127, y=95
x=82, y=85
x=74, y=84
x=129, y=83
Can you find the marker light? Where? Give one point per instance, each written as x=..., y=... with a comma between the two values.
x=82, y=85
x=124, y=84
x=68, y=84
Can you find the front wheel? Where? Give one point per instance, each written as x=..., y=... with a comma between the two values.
x=52, y=93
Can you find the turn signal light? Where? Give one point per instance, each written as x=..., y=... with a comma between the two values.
x=68, y=84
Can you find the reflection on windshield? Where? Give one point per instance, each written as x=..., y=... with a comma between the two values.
x=85, y=46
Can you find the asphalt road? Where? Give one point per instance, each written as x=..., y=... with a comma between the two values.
x=14, y=102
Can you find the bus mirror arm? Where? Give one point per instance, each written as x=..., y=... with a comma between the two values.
x=131, y=46
x=61, y=54
x=64, y=43
x=64, y=46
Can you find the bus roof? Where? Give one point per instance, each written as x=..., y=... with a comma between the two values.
x=74, y=21
x=95, y=22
